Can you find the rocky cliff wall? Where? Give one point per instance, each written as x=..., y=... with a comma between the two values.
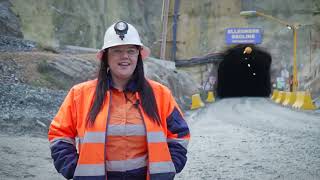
x=200, y=30
x=9, y=22
x=83, y=23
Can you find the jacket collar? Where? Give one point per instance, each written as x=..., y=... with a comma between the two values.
x=131, y=85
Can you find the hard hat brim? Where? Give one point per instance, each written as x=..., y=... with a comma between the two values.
x=145, y=53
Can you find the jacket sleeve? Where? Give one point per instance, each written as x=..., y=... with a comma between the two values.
x=61, y=135
x=178, y=135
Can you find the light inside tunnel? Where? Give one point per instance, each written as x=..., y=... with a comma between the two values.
x=242, y=74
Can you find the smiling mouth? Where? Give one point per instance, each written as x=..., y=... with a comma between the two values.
x=124, y=64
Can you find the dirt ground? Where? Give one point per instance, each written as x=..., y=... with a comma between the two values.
x=253, y=138
x=26, y=157
x=239, y=139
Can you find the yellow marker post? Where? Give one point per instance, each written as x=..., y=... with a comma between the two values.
x=210, y=97
x=280, y=97
x=275, y=94
x=290, y=98
x=304, y=101
x=196, y=102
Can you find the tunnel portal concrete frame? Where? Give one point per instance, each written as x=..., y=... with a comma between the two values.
x=242, y=74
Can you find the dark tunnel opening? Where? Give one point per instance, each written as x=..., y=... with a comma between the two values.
x=244, y=74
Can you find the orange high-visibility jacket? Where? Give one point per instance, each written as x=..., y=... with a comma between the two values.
x=167, y=143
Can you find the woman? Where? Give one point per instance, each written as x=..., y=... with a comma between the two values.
x=128, y=127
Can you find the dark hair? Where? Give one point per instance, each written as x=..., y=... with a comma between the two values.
x=148, y=100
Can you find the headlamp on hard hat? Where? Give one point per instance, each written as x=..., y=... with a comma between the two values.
x=121, y=29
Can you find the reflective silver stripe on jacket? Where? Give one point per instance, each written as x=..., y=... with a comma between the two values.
x=162, y=167
x=159, y=167
x=62, y=139
x=126, y=130
x=183, y=142
x=130, y=164
x=114, y=130
x=155, y=137
x=89, y=170
x=93, y=137
x=126, y=165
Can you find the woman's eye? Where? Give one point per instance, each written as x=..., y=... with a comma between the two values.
x=117, y=51
x=131, y=51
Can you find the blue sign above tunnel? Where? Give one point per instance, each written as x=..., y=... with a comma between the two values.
x=243, y=35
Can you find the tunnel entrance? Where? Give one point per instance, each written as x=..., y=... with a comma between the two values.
x=244, y=74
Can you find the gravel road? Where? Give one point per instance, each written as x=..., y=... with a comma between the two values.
x=253, y=138
x=236, y=138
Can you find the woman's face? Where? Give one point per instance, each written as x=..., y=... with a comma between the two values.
x=122, y=61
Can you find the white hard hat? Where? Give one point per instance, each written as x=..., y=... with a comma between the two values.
x=123, y=33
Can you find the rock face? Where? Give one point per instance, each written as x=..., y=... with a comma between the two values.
x=26, y=109
x=200, y=26
x=310, y=78
x=10, y=43
x=62, y=71
x=83, y=23
x=182, y=84
x=9, y=22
